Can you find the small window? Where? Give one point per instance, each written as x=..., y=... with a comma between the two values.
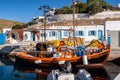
x=26, y=36
x=43, y=35
x=92, y=33
x=65, y=33
x=52, y=33
x=79, y=33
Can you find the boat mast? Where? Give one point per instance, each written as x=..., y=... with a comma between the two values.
x=73, y=9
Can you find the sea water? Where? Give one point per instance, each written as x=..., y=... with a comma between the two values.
x=8, y=73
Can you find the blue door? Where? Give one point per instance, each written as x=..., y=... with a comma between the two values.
x=2, y=39
x=59, y=35
x=109, y=40
x=100, y=35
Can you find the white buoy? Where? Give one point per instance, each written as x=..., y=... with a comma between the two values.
x=84, y=59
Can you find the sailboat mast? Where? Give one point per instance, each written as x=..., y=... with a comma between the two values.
x=73, y=9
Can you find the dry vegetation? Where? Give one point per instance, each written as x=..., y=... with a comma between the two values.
x=7, y=23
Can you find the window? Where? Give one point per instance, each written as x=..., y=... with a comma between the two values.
x=43, y=35
x=26, y=36
x=65, y=33
x=79, y=33
x=52, y=33
x=92, y=33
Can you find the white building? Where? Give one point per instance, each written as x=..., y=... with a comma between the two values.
x=118, y=5
x=58, y=32
x=37, y=18
x=113, y=30
x=110, y=29
x=5, y=30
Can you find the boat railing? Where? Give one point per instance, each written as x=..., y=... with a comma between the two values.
x=41, y=54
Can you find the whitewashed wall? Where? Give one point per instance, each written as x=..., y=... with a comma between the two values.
x=86, y=29
x=113, y=25
x=6, y=29
x=28, y=33
x=113, y=29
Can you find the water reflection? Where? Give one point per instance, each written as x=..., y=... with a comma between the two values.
x=29, y=73
x=26, y=72
x=5, y=72
x=23, y=73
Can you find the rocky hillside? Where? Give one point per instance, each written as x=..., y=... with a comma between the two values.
x=8, y=23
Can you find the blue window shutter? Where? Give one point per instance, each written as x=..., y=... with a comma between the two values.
x=95, y=33
x=45, y=34
x=50, y=34
x=65, y=33
x=41, y=34
x=82, y=33
x=53, y=33
x=89, y=32
x=77, y=33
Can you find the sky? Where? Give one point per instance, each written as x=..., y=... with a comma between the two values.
x=24, y=10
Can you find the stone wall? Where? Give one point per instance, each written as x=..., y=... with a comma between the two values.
x=106, y=14
x=63, y=17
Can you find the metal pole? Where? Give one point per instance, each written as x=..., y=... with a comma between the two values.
x=45, y=8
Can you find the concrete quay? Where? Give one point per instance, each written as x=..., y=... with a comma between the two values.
x=6, y=49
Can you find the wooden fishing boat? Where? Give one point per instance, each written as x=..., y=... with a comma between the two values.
x=53, y=56
x=50, y=58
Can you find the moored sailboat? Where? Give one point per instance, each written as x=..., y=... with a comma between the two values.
x=58, y=56
x=48, y=55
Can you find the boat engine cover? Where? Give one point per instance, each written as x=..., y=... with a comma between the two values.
x=84, y=75
x=66, y=76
